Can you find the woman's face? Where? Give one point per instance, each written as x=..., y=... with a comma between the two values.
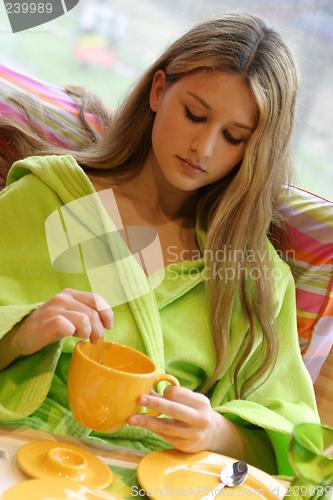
x=202, y=125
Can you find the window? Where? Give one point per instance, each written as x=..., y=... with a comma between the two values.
x=104, y=45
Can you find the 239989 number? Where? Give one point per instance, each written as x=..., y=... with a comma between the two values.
x=28, y=8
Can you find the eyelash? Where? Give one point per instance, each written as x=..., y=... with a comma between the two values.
x=200, y=119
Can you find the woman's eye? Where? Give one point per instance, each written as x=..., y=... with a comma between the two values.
x=198, y=119
x=192, y=117
x=231, y=139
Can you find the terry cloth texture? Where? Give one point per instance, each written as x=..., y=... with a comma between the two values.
x=309, y=218
x=169, y=321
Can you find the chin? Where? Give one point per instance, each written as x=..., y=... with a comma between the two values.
x=183, y=184
x=181, y=180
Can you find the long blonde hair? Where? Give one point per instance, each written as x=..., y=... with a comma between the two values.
x=237, y=212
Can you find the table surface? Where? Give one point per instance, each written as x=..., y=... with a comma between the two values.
x=107, y=451
x=112, y=455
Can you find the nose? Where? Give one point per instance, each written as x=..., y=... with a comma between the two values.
x=204, y=144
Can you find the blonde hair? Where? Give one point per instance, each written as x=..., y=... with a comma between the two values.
x=236, y=212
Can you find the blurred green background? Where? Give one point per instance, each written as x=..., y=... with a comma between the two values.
x=104, y=45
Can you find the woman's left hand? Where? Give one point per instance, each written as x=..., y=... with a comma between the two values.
x=193, y=425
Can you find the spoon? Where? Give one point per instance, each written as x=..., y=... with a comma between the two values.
x=101, y=352
x=233, y=474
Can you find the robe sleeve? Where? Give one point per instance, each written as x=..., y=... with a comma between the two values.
x=24, y=265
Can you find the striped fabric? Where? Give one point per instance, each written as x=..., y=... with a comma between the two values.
x=310, y=256
x=310, y=218
x=61, y=117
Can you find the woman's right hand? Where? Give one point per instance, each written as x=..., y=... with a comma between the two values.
x=69, y=313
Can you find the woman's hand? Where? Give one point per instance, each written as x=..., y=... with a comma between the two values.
x=70, y=312
x=193, y=425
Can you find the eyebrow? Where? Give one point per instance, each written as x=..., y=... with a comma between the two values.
x=206, y=105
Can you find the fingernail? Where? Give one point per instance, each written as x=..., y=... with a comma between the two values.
x=143, y=400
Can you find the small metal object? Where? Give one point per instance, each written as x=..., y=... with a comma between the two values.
x=231, y=475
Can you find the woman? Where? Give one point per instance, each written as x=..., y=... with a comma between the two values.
x=199, y=151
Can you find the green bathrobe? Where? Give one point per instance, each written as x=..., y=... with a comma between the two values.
x=41, y=253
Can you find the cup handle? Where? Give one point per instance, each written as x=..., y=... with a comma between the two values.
x=161, y=378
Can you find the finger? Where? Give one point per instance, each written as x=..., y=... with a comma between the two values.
x=166, y=426
x=59, y=327
x=177, y=411
x=187, y=397
x=96, y=302
x=154, y=393
x=97, y=327
x=82, y=323
x=181, y=396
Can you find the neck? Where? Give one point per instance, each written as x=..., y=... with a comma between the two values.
x=163, y=202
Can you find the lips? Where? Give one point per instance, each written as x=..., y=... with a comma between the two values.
x=193, y=165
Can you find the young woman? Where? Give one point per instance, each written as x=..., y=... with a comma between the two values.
x=199, y=151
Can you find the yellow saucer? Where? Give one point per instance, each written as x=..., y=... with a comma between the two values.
x=52, y=459
x=55, y=489
x=173, y=474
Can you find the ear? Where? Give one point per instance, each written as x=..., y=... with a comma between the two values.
x=157, y=90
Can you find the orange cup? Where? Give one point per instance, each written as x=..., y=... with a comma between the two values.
x=105, y=381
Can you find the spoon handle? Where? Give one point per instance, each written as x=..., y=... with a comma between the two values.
x=214, y=492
